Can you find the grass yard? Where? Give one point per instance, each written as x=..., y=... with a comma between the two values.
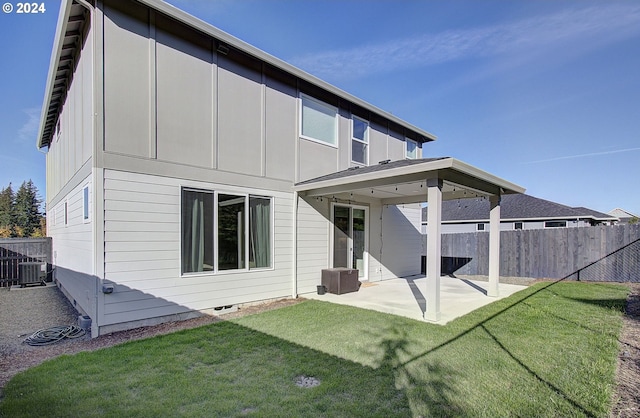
x=549, y=350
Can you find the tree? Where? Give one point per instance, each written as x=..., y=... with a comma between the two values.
x=7, y=212
x=27, y=209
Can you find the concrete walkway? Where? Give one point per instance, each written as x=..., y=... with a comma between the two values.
x=405, y=297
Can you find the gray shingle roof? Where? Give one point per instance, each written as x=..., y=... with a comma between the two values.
x=514, y=206
x=370, y=169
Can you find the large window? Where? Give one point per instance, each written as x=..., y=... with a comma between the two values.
x=411, y=151
x=360, y=141
x=215, y=236
x=319, y=121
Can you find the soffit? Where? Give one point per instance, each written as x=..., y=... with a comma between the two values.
x=405, y=181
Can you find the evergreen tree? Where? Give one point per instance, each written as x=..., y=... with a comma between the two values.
x=27, y=209
x=7, y=212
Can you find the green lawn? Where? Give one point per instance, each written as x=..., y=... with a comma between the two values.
x=549, y=350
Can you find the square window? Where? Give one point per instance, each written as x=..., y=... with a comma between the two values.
x=517, y=225
x=319, y=121
x=480, y=227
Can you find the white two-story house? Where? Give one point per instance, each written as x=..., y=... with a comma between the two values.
x=188, y=171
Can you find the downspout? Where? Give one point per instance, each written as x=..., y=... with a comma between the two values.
x=294, y=272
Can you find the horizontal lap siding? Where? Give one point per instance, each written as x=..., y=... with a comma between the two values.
x=142, y=252
x=312, y=242
x=73, y=248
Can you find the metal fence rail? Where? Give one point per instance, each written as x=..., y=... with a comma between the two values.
x=14, y=251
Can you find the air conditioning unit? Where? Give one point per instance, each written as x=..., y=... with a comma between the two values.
x=32, y=273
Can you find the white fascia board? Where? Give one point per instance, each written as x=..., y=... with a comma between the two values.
x=224, y=37
x=485, y=176
x=63, y=18
x=376, y=178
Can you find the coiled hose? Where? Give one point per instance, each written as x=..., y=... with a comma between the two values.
x=54, y=334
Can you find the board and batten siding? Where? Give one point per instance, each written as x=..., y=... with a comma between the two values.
x=401, y=241
x=142, y=252
x=72, y=243
x=72, y=142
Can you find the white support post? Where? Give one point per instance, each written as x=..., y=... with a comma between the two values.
x=434, y=250
x=494, y=247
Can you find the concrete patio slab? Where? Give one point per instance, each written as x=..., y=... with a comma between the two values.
x=405, y=297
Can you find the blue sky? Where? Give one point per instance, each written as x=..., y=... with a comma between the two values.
x=545, y=94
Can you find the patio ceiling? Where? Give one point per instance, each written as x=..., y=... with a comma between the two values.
x=405, y=181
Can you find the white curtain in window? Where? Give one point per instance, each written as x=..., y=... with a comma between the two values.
x=193, y=232
x=260, y=232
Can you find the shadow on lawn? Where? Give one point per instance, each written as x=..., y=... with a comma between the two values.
x=441, y=394
x=433, y=395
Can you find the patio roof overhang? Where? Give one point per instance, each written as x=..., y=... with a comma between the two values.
x=405, y=181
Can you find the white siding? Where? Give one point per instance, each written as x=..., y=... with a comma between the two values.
x=73, y=248
x=142, y=252
x=401, y=241
x=312, y=243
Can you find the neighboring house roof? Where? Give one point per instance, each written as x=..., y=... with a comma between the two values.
x=621, y=213
x=515, y=207
x=66, y=50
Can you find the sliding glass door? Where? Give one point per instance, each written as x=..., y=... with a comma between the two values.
x=350, y=237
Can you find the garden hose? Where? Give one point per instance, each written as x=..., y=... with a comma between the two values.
x=54, y=334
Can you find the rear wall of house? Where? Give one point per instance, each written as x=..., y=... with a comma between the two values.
x=178, y=113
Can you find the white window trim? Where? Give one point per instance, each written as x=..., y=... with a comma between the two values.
x=406, y=151
x=86, y=205
x=310, y=138
x=216, y=271
x=552, y=227
x=366, y=235
x=366, y=141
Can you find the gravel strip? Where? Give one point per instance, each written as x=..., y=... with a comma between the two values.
x=25, y=311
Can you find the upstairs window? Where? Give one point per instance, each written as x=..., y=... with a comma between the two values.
x=518, y=225
x=411, y=151
x=360, y=141
x=319, y=121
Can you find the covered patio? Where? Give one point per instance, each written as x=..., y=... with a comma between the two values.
x=415, y=181
x=405, y=297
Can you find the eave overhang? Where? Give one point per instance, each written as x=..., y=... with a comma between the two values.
x=61, y=71
x=405, y=181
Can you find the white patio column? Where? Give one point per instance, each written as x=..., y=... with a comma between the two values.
x=434, y=250
x=494, y=246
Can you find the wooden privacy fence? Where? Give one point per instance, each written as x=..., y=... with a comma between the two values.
x=597, y=253
x=14, y=251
